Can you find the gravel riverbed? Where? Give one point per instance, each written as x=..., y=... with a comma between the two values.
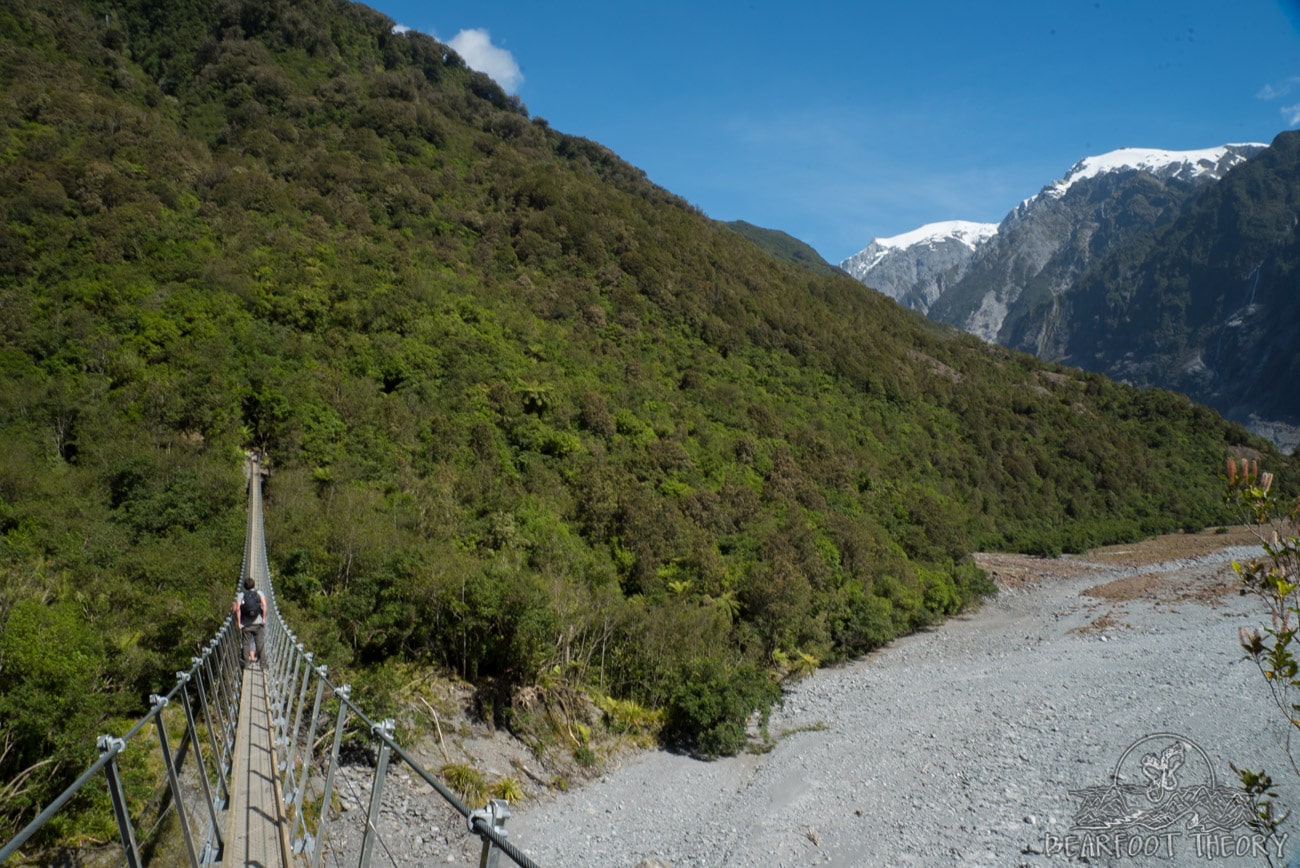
x=973, y=743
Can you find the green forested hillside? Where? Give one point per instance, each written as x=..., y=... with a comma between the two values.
x=530, y=417
x=785, y=247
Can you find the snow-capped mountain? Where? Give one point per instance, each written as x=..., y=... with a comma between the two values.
x=1156, y=267
x=1206, y=307
x=917, y=267
x=1207, y=164
x=976, y=281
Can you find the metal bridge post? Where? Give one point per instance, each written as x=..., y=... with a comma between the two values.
x=218, y=757
x=178, y=798
x=271, y=637
x=227, y=711
x=279, y=652
x=113, y=746
x=495, y=815
x=290, y=650
x=384, y=731
x=284, y=706
x=231, y=644
x=287, y=763
x=278, y=647
x=275, y=673
x=228, y=663
x=298, y=781
x=211, y=847
x=321, y=827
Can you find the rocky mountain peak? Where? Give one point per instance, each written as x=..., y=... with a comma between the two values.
x=1197, y=166
x=916, y=267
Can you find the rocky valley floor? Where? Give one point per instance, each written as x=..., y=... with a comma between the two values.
x=974, y=743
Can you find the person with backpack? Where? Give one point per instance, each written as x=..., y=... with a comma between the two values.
x=250, y=618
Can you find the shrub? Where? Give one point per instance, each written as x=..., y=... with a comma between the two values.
x=860, y=620
x=508, y=789
x=708, y=710
x=466, y=781
x=1272, y=648
x=630, y=718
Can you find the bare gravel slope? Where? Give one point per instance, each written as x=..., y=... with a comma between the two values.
x=962, y=745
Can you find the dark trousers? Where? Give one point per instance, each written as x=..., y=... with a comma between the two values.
x=253, y=640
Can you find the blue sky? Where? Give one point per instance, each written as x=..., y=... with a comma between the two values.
x=842, y=121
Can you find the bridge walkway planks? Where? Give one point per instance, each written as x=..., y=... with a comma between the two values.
x=255, y=830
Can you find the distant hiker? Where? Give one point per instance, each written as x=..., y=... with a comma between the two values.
x=250, y=618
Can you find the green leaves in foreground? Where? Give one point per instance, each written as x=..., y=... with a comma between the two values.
x=1272, y=648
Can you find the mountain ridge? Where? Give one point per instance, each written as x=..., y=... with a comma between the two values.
x=784, y=246
x=916, y=268
x=1018, y=288
x=1200, y=307
x=1204, y=164
x=875, y=264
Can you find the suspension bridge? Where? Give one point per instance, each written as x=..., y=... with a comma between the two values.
x=249, y=759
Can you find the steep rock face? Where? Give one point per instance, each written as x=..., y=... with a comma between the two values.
x=1209, y=305
x=1047, y=241
x=918, y=267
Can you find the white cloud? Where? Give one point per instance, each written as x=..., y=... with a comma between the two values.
x=1292, y=114
x=399, y=29
x=475, y=46
x=1278, y=90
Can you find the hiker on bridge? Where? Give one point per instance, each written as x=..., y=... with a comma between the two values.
x=250, y=618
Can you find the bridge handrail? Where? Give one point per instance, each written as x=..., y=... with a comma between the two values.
x=219, y=693
x=215, y=680
x=479, y=822
x=289, y=685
